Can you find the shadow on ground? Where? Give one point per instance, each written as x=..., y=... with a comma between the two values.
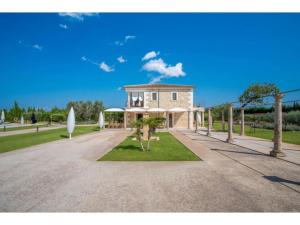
x=281, y=180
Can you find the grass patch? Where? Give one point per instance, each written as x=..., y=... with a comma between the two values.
x=13, y=142
x=23, y=127
x=168, y=148
x=292, y=137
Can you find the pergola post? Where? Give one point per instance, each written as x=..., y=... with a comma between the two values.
x=230, y=121
x=167, y=120
x=223, y=120
x=196, y=124
x=242, y=133
x=203, y=119
x=277, y=150
x=209, y=122
x=189, y=120
x=125, y=120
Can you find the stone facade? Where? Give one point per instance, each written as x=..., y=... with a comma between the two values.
x=184, y=100
x=164, y=102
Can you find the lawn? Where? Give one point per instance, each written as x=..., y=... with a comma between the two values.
x=292, y=137
x=168, y=148
x=23, y=127
x=13, y=142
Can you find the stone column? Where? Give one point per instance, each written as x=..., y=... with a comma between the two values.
x=196, y=122
x=230, y=121
x=189, y=127
x=145, y=128
x=209, y=123
x=242, y=133
x=125, y=120
x=166, y=114
x=223, y=120
x=167, y=119
x=191, y=119
x=203, y=119
x=200, y=118
x=277, y=150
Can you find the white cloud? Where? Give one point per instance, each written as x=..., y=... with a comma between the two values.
x=165, y=71
x=124, y=41
x=77, y=16
x=128, y=37
x=105, y=67
x=121, y=59
x=63, y=26
x=38, y=47
x=150, y=55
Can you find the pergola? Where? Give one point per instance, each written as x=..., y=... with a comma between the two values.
x=113, y=110
x=199, y=113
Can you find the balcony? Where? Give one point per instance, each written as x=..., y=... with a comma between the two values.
x=136, y=99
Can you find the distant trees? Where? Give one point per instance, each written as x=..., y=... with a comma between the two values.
x=84, y=111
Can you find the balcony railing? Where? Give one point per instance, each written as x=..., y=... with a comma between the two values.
x=136, y=103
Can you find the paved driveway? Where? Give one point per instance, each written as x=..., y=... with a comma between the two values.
x=64, y=176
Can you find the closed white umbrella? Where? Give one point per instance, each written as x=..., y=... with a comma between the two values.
x=71, y=122
x=22, y=120
x=198, y=118
x=2, y=116
x=101, y=120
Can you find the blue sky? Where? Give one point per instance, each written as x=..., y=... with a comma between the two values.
x=49, y=59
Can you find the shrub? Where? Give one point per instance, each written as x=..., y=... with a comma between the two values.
x=58, y=117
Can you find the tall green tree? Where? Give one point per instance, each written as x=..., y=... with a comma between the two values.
x=16, y=111
x=255, y=92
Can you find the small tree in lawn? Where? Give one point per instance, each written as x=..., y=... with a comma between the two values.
x=153, y=123
x=138, y=124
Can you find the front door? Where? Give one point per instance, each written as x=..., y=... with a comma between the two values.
x=139, y=116
x=170, y=120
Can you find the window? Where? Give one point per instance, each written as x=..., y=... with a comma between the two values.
x=174, y=96
x=137, y=99
x=154, y=96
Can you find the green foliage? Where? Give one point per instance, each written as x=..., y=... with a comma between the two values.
x=13, y=142
x=58, y=117
x=86, y=110
x=254, y=93
x=152, y=123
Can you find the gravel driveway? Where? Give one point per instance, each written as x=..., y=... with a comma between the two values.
x=64, y=176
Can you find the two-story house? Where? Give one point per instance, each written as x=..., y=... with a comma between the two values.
x=171, y=101
x=174, y=102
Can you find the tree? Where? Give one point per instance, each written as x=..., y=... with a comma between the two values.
x=153, y=123
x=97, y=108
x=138, y=124
x=16, y=111
x=255, y=92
